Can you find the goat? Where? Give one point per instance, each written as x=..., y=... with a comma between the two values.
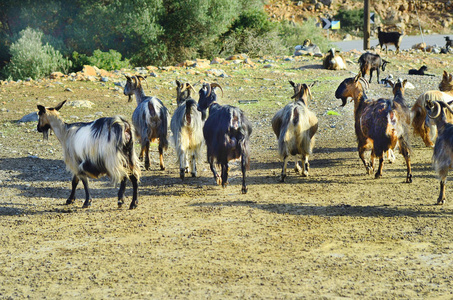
x=443, y=150
x=94, y=149
x=420, y=71
x=379, y=124
x=150, y=119
x=449, y=43
x=420, y=123
x=333, y=61
x=295, y=126
x=309, y=47
x=187, y=128
x=227, y=134
x=370, y=62
x=389, y=38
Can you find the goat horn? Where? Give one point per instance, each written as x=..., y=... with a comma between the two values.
x=208, y=86
x=214, y=85
x=128, y=78
x=429, y=102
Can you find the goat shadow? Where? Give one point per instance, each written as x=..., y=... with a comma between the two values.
x=342, y=210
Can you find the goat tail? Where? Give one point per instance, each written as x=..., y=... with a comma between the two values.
x=163, y=130
x=123, y=160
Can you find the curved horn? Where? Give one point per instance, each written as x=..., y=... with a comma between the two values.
x=429, y=102
x=214, y=85
x=208, y=86
x=128, y=78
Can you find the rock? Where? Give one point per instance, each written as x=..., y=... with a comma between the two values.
x=56, y=75
x=89, y=71
x=80, y=103
x=238, y=57
x=217, y=60
x=31, y=117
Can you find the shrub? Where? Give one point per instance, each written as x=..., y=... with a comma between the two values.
x=350, y=20
x=108, y=60
x=30, y=58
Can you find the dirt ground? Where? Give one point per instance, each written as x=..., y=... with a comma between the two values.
x=338, y=233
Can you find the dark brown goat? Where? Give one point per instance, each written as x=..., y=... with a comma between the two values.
x=389, y=38
x=443, y=150
x=379, y=124
x=370, y=62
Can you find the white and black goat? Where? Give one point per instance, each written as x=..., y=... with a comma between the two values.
x=333, y=61
x=150, y=119
x=187, y=128
x=227, y=133
x=101, y=147
x=295, y=126
x=443, y=149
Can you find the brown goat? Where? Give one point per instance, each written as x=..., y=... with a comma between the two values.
x=428, y=131
x=379, y=124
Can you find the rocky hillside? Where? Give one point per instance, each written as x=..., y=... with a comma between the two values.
x=401, y=15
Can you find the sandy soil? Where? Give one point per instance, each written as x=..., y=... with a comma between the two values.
x=338, y=233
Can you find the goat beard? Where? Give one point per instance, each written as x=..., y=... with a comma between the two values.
x=45, y=134
x=129, y=98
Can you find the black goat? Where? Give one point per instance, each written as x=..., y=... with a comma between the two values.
x=370, y=62
x=448, y=44
x=227, y=133
x=420, y=71
x=389, y=38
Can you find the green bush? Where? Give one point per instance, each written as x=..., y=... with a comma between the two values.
x=30, y=58
x=350, y=20
x=108, y=60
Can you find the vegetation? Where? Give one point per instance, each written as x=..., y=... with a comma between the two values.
x=350, y=20
x=144, y=32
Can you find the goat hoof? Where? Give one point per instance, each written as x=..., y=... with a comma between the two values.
x=181, y=174
x=440, y=202
x=377, y=175
x=409, y=178
x=162, y=167
x=282, y=178
x=244, y=190
x=193, y=174
x=218, y=180
x=120, y=203
x=133, y=205
x=86, y=204
x=70, y=201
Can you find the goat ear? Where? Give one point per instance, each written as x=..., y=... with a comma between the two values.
x=57, y=108
x=404, y=82
x=41, y=109
x=392, y=84
x=313, y=83
x=178, y=83
x=128, y=78
x=292, y=83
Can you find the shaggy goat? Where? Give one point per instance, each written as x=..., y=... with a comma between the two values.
x=332, y=61
x=101, y=147
x=187, y=128
x=227, y=133
x=448, y=43
x=421, y=124
x=150, y=119
x=389, y=38
x=370, y=62
x=443, y=150
x=379, y=124
x=295, y=126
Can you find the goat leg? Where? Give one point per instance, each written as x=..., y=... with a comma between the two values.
x=405, y=152
x=381, y=165
x=146, y=154
x=217, y=178
x=224, y=175
x=285, y=163
x=194, y=166
x=134, y=201
x=362, y=157
x=87, y=202
x=244, y=170
x=75, y=182
x=306, y=165
x=182, y=164
x=297, y=167
x=441, y=199
x=121, y=192
x=161, y=157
